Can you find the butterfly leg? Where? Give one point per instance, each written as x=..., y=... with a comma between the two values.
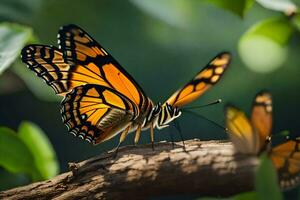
x=178, y=128
x=137, y=134
x=171, y=137
x=152, y=135
x=122, y=138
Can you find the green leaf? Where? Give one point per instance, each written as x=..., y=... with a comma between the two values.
x=263, y=47
x=41, y=149
x=278, y=29
x=14, y=154
x=296, y=21
x=266, y=183
x=12, y=38
x=246, y=196
x=241, y=196
x=285, y=6
x=238, y=7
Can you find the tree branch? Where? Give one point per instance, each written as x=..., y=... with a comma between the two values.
x=205, y=168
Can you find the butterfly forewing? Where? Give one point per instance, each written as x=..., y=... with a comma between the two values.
x=96, y=113
x=261, y=117
x=48, y=63
x=83, y=53
x=241, y=132
x=286, y=158
x=206, y=78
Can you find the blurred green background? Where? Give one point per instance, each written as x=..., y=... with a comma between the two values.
x=162, y=44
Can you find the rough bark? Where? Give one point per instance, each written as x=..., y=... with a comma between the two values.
x=204, y=168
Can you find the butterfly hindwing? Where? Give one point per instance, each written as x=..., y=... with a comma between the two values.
x=82, y=52
x=241, y=132
x=261, y=117
x=206, y=78
x=286, y=158
x=96, y=113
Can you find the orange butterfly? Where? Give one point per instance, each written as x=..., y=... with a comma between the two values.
x=101, y=99
x=254, y=137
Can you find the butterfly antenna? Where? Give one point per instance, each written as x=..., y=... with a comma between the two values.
x=205, y=105
x=205, y=118
x=178, y=128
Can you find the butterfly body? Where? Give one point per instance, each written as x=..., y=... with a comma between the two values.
x=161, y=115
x=101, y=99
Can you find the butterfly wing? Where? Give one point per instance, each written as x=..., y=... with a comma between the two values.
x=286, y=158
x=48, y=63
x=206, y=78
x=241, y=133
x=261, y=117
x=96, y=113
x=83, y=53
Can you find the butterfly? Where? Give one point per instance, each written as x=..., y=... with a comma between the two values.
x=253, y=136
x=101, y=99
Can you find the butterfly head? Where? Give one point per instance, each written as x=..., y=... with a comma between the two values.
x=166, y=114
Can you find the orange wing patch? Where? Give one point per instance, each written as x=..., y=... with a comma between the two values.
x=114, y=99
x=96, y=113
x=121, y=83
x=206, y=78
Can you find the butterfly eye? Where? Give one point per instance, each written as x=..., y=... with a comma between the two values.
x=168, y=106
x=171, y=109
